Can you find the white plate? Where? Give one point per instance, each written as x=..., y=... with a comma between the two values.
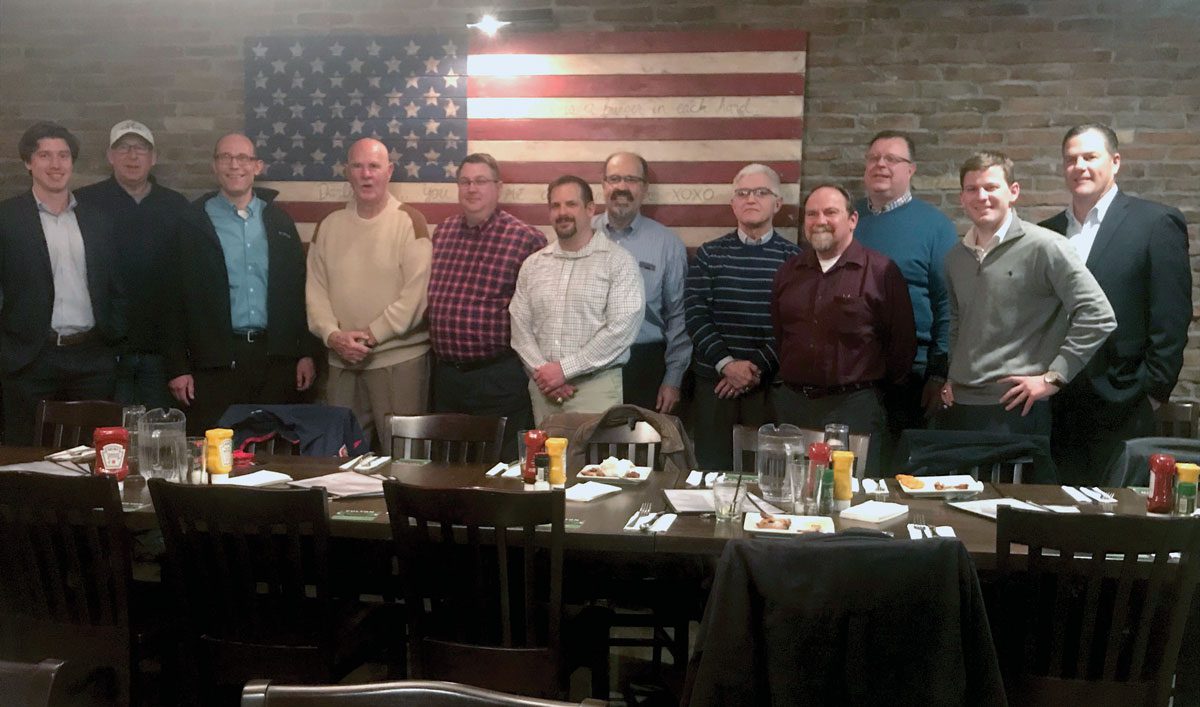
x=643, y=473
x=930, y=489
x=800, y=525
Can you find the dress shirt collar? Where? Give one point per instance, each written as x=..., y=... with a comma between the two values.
x=891, y=205
x=613, y=232
x=855, y=254
x=252, y=209
x=599, y=244
x=71, y=204
x=1099, y=210
x=972, y=237
x=747, y=240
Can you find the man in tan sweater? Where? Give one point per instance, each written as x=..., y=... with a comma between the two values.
x=368, y=269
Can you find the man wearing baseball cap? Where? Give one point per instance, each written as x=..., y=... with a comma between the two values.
x=145, y=218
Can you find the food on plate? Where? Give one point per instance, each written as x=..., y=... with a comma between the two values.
x=910, y=482
x=813, y=527
x=774, y=523
x=939, y=486
x=612, y=468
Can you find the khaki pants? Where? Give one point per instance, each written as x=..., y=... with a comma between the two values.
x=373, y=394
x=595, y=392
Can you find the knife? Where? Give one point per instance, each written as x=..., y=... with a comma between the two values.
x=645, y=523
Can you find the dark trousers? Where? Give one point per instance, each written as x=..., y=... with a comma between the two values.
x=713, y=420
x=255, y=378
x=902, y=403
x=994, y=418
x=80, y=372
x=1089, y=433
x=860, y=410
x=142, y=380
x=499, y=387
x=644, y=373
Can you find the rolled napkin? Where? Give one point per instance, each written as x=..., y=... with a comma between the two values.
x=373, y=464
x=590, y=491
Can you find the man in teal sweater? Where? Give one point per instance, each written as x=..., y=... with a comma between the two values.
x=1025, y=313
x=916, y=236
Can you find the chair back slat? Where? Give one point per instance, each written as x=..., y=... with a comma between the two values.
x=1098, y=600
x=502, y=602
x=448, y=438
x=67, y=423
x=639, y=444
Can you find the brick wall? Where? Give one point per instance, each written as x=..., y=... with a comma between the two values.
x=957, y=73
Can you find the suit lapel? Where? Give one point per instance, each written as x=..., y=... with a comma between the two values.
x=37, y=236
x=1108, y=229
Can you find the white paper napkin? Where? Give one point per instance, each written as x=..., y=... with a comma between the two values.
x=373, y=464
x=875, y=511
x=262, y=477
x=1076, y=495
x=693, y=479
x=663, y=523
x=590, y=491
x=942, y=531
x=495, y=470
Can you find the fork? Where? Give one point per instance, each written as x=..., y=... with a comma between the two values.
x=920, y=524
x=642, y=511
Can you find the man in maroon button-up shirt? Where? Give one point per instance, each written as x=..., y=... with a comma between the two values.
x=843, y=325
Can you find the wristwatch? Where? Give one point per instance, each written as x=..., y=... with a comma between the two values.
x=1054, y=378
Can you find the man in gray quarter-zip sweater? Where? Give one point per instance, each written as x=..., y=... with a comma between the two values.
x=1025, y=313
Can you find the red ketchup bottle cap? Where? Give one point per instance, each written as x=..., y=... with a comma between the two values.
x=819, y=452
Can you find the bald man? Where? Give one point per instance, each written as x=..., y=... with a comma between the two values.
x=368, y=270
x=238, y=333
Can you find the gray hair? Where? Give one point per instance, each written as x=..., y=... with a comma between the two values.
x=756, y=168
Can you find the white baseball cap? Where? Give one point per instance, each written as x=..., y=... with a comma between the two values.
x=126, y=127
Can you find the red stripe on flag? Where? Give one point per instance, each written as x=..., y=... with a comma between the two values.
x=639, y=86
x=538, y=214
x=643, y=42
x=660, y=172
x=637, y=129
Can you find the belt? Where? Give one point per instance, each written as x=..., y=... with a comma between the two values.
x=251, y=336
x=475, y=365
x=813, y=392
x=83, y=337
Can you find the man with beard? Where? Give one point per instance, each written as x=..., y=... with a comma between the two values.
x=728, y=303
x=146, y=221
x=843, y=324
x=576, y=310
x=662, y=349
x=368, y=268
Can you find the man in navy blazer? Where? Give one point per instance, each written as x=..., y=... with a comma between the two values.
x=1138, y=252
x=62, y=308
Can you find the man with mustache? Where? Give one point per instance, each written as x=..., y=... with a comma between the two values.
x=662, y=350
x=239, y=333
x=1025, y=313
x=1138, y=251
x=576, y=310
x=728, y=303
x=63, y=305
x=843, y=324
x=368, y=269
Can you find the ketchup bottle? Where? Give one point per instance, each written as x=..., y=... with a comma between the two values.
x=112, y=451
x=535, y=444
x=1162, y=484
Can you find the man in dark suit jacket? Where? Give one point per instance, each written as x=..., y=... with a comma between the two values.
x=239, y=333
x=1138, y=252
x=63, y=305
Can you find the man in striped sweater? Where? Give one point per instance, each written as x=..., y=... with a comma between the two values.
x=728, y=305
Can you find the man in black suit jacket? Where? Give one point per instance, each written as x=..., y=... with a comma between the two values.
x=63, y=307
x=239, y=333
x=1138, y=252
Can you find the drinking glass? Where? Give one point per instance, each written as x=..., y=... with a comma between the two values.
x=837, y=437
x=521, y=448
x=729, y=492
x=131, y=415
x=197, y=460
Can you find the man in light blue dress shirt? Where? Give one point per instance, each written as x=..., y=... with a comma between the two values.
x=662, y=351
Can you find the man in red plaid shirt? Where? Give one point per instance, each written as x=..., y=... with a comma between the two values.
x=476, y=258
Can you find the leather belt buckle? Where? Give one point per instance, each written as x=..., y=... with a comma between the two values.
x=250, y=336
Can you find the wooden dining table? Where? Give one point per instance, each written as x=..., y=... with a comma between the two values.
x=599, y=525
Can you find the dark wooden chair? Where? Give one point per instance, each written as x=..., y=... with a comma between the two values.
x=745, y=448
x=402, y=693
x=251, y=574
x=67, y=423
x=447, y=437
x=29, y=684
x=482, y=589
x=1178, y=420
x=1094, y=613
x=66, y=575
x=639, y=444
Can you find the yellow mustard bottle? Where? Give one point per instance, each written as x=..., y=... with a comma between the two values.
x=843, y=464
x=219, y=452
x=556, y=447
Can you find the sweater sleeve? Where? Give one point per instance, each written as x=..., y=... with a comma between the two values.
x=708, y=345
x=408, y=311
x=900, y=332
x=944, y=238
x=1089, y=313
x=321, y=320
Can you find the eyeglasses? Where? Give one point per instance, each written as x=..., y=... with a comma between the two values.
x=891, y=160
x=134, y=148
x=760, y=192
x=241, y=160
x=626, y=178
x=478, y=182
